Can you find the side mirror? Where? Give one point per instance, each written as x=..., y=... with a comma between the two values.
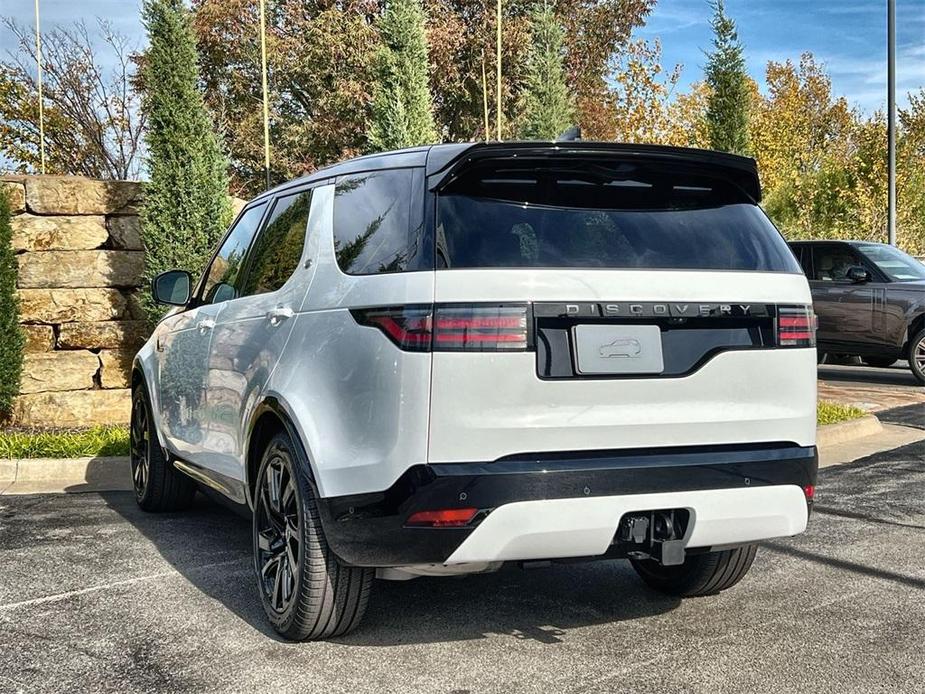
x=172, y=288
x=858, y=274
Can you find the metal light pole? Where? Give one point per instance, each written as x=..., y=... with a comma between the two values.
x=485, y=97
x=266, y=102
x=498, y=60
x=38, y=60
x=891, y=119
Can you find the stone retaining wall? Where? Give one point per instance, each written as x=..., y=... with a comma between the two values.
x=80, y=264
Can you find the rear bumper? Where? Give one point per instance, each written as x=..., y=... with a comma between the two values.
x=569, y=504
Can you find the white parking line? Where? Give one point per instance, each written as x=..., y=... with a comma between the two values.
x=128, y=581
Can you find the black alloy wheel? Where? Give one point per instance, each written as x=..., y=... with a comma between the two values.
x=278, y=533
x=158, y=485
x=306, y=592
x=140, y=446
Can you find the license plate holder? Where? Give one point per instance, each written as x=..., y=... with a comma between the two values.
x=618, y=349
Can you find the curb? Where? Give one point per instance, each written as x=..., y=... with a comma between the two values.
x=49, y=475
x=842, y=432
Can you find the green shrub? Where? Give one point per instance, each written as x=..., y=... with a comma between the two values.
x=186, y=207
x=11, y=336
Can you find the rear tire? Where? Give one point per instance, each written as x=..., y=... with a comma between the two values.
x=158, y=485
x=879, y=362
x=700, y=574
x=917, y=356
x=305, y=591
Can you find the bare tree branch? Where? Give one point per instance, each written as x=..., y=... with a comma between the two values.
x=93, y=123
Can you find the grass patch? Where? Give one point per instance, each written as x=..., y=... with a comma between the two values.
x=64, y=443
x=834, y=412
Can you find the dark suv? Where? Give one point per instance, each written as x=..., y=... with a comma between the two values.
x=869, y=299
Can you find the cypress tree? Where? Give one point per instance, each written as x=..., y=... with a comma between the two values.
x=402, y=114
x=186, y=207
x=727, y=107
x=548, y=108
x=11, y=336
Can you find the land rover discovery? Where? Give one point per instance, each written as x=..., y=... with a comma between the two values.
x=438, y=360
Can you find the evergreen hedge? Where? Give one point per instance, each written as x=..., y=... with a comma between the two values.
x=548, y=107
x=402, y=113
x=12, y=339
x=186, y=208
x=727, y=107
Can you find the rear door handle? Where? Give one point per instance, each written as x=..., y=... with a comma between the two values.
x=279, y=314
x=206, y=324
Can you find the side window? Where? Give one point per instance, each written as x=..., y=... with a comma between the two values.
x=223, y=273
x=278, y=248
x=373, y=227
x=831, y=262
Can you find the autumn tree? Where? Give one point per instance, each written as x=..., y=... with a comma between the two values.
x=186, y=208
x=92, y=123
x=596, y=33
x=640, y=95
x=548, y=108
x=321, y=58
x=401, y=110
x=727, y=79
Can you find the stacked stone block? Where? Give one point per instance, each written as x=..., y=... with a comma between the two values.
x=80, y=264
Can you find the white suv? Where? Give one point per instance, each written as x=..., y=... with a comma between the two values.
x=434, y=361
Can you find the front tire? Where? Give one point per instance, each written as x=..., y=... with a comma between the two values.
x=158, y=485
x=700, y=574
x=305, y=591
x=917, y=356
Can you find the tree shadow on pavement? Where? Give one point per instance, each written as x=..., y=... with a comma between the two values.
x=210, y=546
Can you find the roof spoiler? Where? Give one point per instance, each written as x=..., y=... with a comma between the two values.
x=444, y=162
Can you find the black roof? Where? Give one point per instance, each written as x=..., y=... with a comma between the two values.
x=440, y=159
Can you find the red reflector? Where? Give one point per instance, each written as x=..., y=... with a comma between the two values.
x=810, y=491
x=445, y=518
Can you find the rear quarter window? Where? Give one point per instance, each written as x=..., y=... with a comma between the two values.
x=378, y=222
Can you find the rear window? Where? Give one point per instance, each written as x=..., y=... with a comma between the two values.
x=604, y=215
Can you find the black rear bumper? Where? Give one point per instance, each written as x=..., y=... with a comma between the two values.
x=369, y=529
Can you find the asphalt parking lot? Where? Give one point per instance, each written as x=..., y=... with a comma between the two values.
x=96, y=596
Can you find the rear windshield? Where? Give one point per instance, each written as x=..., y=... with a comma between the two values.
x=597, y=215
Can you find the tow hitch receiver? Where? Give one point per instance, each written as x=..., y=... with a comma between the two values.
x=654, y=535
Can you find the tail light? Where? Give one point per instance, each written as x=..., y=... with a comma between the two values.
x=796, y=326
x=451, y=328
x=480, y=328
x=409, y=327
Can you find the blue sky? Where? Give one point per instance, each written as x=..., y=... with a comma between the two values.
x=848, y=36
